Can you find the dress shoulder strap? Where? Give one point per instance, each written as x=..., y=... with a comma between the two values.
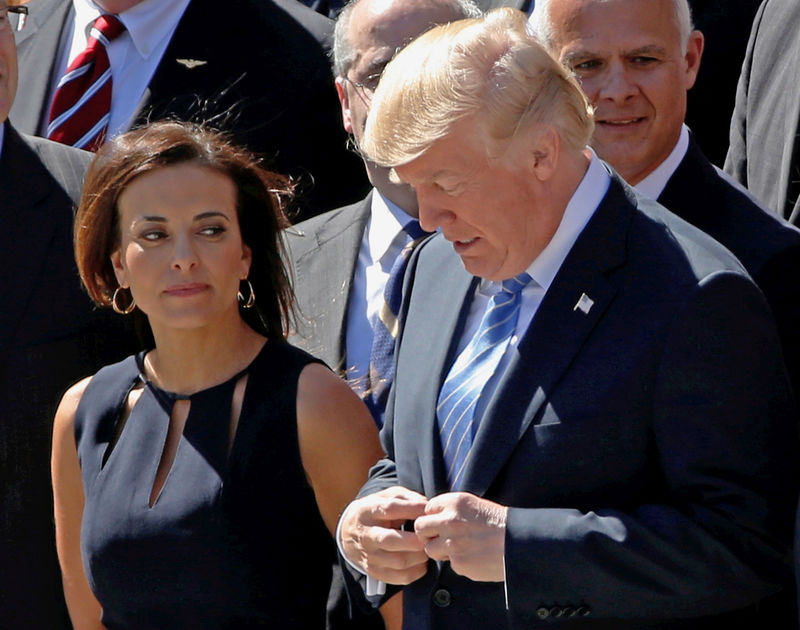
x=101, y=403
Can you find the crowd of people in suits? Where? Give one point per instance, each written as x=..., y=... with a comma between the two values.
x=507, y=338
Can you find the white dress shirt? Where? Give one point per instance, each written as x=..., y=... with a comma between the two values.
x=382, y=242
x=653, y=185
x=133, y=56
x=581, y=207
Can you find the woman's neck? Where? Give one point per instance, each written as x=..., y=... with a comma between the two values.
x=188, y=361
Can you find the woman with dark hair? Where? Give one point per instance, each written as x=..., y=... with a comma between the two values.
x=193, y=482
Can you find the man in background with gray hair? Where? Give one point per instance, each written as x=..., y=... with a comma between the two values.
x=571, y=436
x=635, y=60
x=348, y=261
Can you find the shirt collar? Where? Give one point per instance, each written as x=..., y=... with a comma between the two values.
x=579, y=210
x=2, y=136
x=386, y=222
x=653, y=185
x=147, y=23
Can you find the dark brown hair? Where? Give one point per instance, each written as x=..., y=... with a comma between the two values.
x=261, y=197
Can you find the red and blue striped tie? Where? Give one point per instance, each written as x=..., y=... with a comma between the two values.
x=82, y=102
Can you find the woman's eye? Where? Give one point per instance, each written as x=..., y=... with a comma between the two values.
x=212, y=230
x=153, y=235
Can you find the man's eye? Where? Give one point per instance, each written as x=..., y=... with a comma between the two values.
x=583, y=66
x=371, y=82
x=641, y=61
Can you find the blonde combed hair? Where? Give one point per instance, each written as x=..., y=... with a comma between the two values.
x=489, y=66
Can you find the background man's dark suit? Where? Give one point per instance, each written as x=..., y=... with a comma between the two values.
x=50, y=337
x=642, y=453
x=266, y=69
x=764, y=154
x=767, y=247
x=324, y=252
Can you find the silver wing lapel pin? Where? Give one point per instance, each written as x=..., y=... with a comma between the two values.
x=191, y=63
x=584, y=304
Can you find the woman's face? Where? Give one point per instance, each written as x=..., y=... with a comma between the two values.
x=181, y=251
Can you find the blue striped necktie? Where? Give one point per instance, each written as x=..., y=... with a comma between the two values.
x=381, y=359
x=473, y=368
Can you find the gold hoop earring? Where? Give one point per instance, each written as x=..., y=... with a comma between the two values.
x=251, y=298
x=116, y=307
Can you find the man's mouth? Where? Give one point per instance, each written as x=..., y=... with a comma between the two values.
x=621, y=122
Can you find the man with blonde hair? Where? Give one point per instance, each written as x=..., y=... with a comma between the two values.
x=570, y=436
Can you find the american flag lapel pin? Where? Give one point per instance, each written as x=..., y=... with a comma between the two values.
x=584, y=303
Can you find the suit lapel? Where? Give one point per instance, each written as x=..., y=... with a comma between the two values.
x=556, y=335
x=327, y=269
x=25, y=186
x=187, y=61
x=36, y=59
x=692, y=190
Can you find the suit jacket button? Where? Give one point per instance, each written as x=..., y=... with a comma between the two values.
x=442, y=598
x=542, y=613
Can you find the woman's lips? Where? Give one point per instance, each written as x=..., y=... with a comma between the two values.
x=186, y=290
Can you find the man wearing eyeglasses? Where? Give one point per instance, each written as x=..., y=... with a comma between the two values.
x=50, y=337
x=343, y=260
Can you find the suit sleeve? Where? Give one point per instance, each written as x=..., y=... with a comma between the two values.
x=722, y=428
x=736, y=159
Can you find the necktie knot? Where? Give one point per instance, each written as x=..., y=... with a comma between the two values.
x=517, y=283
x=414, y=230
x=105, y=29
x=81, y=106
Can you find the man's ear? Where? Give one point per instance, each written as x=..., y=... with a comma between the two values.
x=694, y=53
x=543, y=153
x=344, y=101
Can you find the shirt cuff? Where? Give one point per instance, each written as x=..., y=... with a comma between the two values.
x=374, y=588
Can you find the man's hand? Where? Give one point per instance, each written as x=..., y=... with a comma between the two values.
x=468, y=531
x=372, y=537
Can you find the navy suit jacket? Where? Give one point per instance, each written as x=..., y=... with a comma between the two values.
x=267, y=79
x=764, y=152
x=767, y=246
x=646, y=448
x=50, y=337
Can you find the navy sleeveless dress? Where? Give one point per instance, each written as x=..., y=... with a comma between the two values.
x=235, y=539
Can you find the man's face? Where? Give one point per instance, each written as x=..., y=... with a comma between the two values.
x=378, y=29
x=489, y=209
x=628, y=57
x=8, y=68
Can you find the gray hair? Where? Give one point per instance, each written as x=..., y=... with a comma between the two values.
x=342, y=48
x=542, y=26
